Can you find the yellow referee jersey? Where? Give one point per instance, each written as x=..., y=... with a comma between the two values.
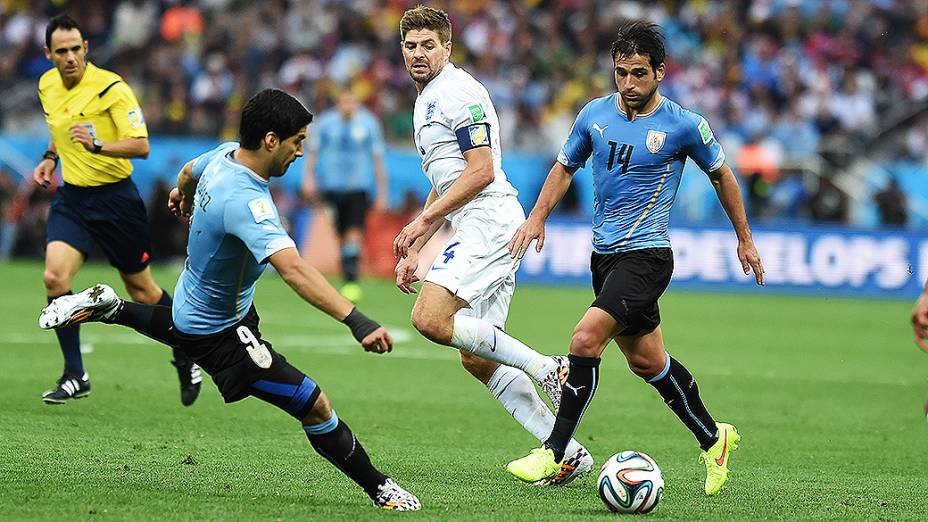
x=102, y=102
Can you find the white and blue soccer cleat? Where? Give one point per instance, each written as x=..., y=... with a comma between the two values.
x=392, y=497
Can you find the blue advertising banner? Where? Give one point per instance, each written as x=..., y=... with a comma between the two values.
x=822, y=261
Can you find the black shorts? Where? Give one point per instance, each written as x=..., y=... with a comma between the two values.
x=112, y=216
x=241, y=363
x=628, y=284
x=350, y=209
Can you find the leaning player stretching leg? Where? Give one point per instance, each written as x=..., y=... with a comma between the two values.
x=465, y=298
x=639, y=142
x=235, y=231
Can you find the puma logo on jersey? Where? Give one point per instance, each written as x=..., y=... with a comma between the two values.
x=599, y=129
x=575, y=390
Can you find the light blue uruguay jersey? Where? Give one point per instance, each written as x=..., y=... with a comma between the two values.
x=234, y=229
x=637, y=166
x=346, y=149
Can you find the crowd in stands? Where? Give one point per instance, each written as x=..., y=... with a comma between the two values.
x=790, y=86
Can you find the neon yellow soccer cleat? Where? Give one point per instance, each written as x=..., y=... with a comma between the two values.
x=537, y=465
x=716, y=459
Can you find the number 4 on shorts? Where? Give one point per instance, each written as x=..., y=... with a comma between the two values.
x=449, y=252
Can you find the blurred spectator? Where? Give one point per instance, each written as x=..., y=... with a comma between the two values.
x=24, y=218
x=828, y=204
x=538, y=58
x=892, y=204
x=803, y=78
x=168, y=233
x=133, y=24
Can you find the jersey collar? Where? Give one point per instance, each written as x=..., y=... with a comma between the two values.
x=618, y=107
x=228, y=157
x=90, y=70
x=444, y=70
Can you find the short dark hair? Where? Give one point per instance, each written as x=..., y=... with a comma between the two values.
x=640, y=37
x=61, y=21
x=271, y=110
x=424, y=17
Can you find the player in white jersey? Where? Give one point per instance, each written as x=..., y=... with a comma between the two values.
x=464, y=300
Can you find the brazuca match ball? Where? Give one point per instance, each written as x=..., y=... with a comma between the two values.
x=630, y=482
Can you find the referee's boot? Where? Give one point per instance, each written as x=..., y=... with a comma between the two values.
x=68, y=387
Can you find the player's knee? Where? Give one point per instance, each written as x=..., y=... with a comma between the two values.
x=431, y=328
x=320, y=412
x=56, y=282
x=586, y=343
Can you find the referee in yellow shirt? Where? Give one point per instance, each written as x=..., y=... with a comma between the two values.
x=96, y=126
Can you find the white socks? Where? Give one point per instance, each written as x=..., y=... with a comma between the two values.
x=518, y=395
x=482, y=339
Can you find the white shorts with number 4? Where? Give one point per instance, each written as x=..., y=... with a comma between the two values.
x=475, y=264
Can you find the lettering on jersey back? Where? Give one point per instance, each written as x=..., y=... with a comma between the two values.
x=203, y=198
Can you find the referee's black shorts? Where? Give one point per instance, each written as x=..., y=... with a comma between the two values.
x=112, y=216
x=627, y=286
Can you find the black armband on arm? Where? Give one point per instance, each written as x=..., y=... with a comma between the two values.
x=360, y=324
x=473, y=136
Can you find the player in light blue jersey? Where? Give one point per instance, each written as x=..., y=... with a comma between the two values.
x=637, y=142
x=344, y=166
x=235, y=232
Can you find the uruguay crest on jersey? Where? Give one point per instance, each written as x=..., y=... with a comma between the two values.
x=655, y=140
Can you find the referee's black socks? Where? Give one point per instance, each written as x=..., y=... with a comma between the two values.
x=334, y=440
x=69, y=338
x=679, y=391
x=576, y=395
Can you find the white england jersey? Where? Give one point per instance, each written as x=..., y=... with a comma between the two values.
x=452, y=101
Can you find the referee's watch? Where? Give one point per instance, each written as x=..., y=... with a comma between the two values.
x=97, y=145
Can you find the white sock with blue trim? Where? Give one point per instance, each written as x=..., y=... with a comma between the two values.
x=482, y=339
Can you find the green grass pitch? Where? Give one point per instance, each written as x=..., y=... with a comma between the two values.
x=827, y=393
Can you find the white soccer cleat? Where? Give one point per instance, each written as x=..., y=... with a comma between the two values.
x=552, y=382
x=97, y=303
x=574, y=466
x=392, y=497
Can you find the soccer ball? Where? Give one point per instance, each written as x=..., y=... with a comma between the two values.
x=630, y=482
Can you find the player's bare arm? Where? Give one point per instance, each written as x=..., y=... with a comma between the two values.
x=43, y=172
x=309, y=284
x=556, y=184
x=309, y=190
x=406, y=267
x=380, y=174
x=128, y=148
x=180, y=200
x=920, y=320
x=726, y=187
x=476, y=176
